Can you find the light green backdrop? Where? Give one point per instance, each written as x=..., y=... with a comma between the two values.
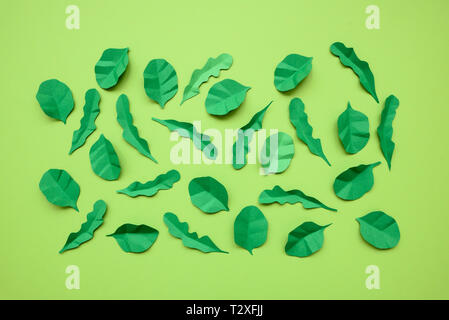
x=408, y=56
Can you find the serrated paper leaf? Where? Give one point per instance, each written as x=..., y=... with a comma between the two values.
x=291, y=71
x=208, y=195
x=110, y=67
x=59, y=188
x=385, y=129
x=225, y=96
x=305, y=239
x=277, y=153
x=353, y=130
x=379, y=230
x=353, y=183
x=55, y=99
x=150, y=188
x=250, y=228
x=135, y=238
x=160, y=81
x=104, y=160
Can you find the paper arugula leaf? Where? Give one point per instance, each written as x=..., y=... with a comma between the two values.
x=225, y=96
x=110, y=67
x=59, y=188
x=353, y=130
x=277, y=153
x=353, y=183
x=55, y=99
x=86, y=232
x=130, y=133
x=104, y=160
x=291, y=71
x=180, y=230
x=150, y=188
x=208, y=195
x=385, y=129
x=250, y=228
x=212, y=67
x=135, y=238
x=361, y=68
x=160, y=81
x=379, y=230
x=305, y=239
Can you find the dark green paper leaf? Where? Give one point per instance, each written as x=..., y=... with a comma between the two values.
x=353, y=130
x=104, y=160
x=225, y=96
x=133, y=238
x=291, y=71
x=150, y=188
x=379, y=230
x=250, y=228
x=209, y=195
x=277, y=153
x=385, y=129
x=55, y=99
x=160, y=81
x=305, y=239
x=355, y=182
x=59, y=188
x=110, y=67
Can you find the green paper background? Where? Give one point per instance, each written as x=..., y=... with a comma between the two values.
x=408, y=57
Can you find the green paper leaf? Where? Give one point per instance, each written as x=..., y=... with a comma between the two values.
x=277, y=153
x=355, y=182
x=250, y=228
x=361, y=68
x=305, y=239
x=104, y=160
x=379, y=230
x=385, y=129
x=150, y=188
x=130, y=133
x=225, y=96
x=180, y=230
x=209, y=195
x=86, y=232
x=59, y=188
x=135, y=238
x=291, y=71
x=160, y=81
x=212, y=67
x=277, y=194
x=110, y=67
x=55, y=99
x=299, y=120
x=353, y=130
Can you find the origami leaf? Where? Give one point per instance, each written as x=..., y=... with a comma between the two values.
x=199, y=76
x=250, y=228
x=104, y=160
x=130, y=134
x=379, y=230
x=86, y=232
x=150, y=188
x=110, y=67
x=59, y=188
x=355, y=182
x=209, y=195
x=180, y=230
x=298, y=118
x=305, y=239
x=353, y=130
x=87, y=123
x=55, y=99
x=225, y=96
x=277, y=194
x=134, y=238
x=277, y=152
x=291, y=71
x=385, y=129
x=361, y=68
x=160, y=81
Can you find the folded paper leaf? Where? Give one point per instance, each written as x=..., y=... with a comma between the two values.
x=353, y=183
x=59, y=188
x=55, y=99
x=110, y=67
x=104, y=160
x=385, y=129
x=150, y=188
x=277, y=153
x=353, y=130
x=379, y=230
x=208, y=195
x=291, y=71
x=135, y=238
x=225, y=96
x=160, y=81
x=305, y=240
x=250, y=228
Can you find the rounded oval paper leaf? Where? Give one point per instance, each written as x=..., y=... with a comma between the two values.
x=250, y=228
x=291, y=71
x=305, y=239
x=277, y=153
x=110, y=67
x=55, y=99
x=104, y=160
x=355, y=182
x=59, y=188
x=353, y=130
x=133, y=238
x=379, y=230
x=209, y=195
x=225, y=96
x=160, y=81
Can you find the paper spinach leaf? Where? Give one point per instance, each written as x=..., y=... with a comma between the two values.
x=150, y=188
x=277, y=153
x=59, y=188
x=305, y=239
x=353, y=130
x=250, y=228
x=208, y=195
x=104, y=160
x=385, y=129
x=110, y=67
x=225, y=96
x=160, y=81
x=135, y=238
x=55, y=99
x=291, y=71
x=379, y=230
x=353, y=183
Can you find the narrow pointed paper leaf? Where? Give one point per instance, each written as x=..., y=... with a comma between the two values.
x=212, y=67
x=305, y=239
x=385, y=129
x=135, y=238
x=150, y=188
x=59, y=188
x=225, y=96
x=379, y=230
x=291, y=71
x=353, y=183
x=160, y=81
x=208, y=195
x=180, y=230
x=110, y=67
x=250, y=228
x=353, y=130
x=104, y=160
x=86, y=232
x=277, y=153
x=361, y=68
x=55, y=99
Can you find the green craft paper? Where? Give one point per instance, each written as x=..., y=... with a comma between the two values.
x=212, y=67
x=361, y=68
x=160, y=81
x=304, y=130
x=135, y=238
x=86, y=232
x=291, y=71
x=180, y=230
x=353, y=183
x=277, y=160
x=59, y=188
x=55, y=99
x=225, y=96
x=353, y=130
x=130, y=133
x=385, y=129
x=208, y=195
x=305, y=239
x=150, y=188
x=250, y=228
x=379, y=230
x=277, y=194
x=110, y=67
x=103, y=159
